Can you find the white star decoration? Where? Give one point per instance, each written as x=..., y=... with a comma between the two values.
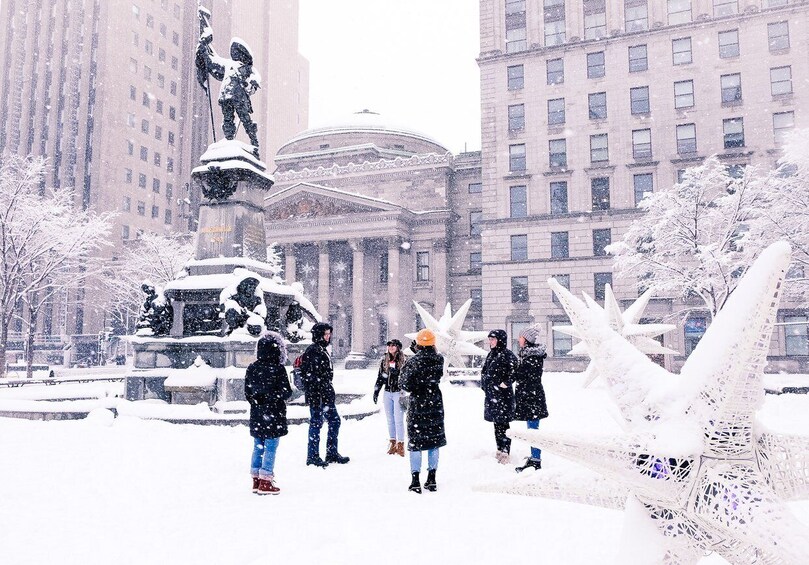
x=626, y=324
x=450, y=340
x=698, y=469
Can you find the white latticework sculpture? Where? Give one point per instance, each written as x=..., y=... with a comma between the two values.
x=451, y=340
x=698, y=468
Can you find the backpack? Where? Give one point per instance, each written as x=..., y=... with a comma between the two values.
x=297, y=377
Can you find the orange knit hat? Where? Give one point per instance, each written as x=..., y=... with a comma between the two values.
x=425, y=337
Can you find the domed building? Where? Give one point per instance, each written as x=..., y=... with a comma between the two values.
x=371, y=216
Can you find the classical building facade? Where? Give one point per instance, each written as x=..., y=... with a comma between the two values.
x=371, y=217
x=587, y=105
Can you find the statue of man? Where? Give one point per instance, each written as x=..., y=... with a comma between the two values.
x=239, y=81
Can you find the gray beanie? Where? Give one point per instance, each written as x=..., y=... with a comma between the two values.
x=532, y=333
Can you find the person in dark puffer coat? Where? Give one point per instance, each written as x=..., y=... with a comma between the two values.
x=266, y=388
x=529, y=393
x=420, y=377
x=496, y=379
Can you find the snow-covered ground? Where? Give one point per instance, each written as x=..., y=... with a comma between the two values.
x=143, y=491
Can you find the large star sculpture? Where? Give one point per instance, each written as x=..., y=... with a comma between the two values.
x=626, y=324
x=451, y=340
x=702, y=476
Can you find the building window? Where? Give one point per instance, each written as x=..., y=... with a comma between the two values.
x=148, y=46
x=679, y=11
x=686, y=138
x=781, y=80
x=169, y=190
x=555, y=71
x=595, y=19
x=638, y=58
x=782, y=123
x=124, y=232
x=133, y=66
x=174, y=64
x=155, y=212
x=560, y=245
x=600, y=282
x=475, y=261
x=172, y=113
x=639, y=100
x=562, y=343
x=557, y=153
x=159, y=106
x=559, y=197
x=554, y=17
x=518, y=201
x=141, y=208
x=597, y=104
x=156, y=185
x=636, y=15
x=147, y=72
x=681, y=51
x=475, y=187
x=474, y=222
x=725, y=7
x=556, y=111
x=141, y=180
x=733, y=130
x=519, y=289
x=167, y=219
x=130, y=120
x=601, y=239
x=516, y=158
x=695, y=327
x=600, y=192
x=516, y=117
x=423, y=266
x=684, y=94
x=126, y=206
x=173, y=88
x=171, y=138
x=136, y=11
x=519, y=247
x=161, y=80
x=778, y=36
x=643, y=185
x=169, y=164
x=599, y=151
x=595, y=65
x=133, y=95
x=144, y=153
x=130, y=148
x=476, y=294
x=515, y=26
x=564, y=281
x=642, y=144
x=161, y=55
x=128, y=176
x=796, y=335
x=736, y=171
x=729, y=44
x=144, y=126
x=731, y=87
x=516, y=77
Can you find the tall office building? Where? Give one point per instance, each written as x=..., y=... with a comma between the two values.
x=107, y=92
x=588, y=105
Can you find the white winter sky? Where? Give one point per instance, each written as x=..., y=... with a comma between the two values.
x=411, y=61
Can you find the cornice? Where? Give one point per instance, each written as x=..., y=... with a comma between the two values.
x=398, y=163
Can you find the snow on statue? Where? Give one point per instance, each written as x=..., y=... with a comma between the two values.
x=450, y=340
x=701, y=474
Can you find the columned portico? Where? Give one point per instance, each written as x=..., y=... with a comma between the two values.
x=394, y=295
x=358, y=296
x=289, y=263
x=323, y=279
x=440, y=274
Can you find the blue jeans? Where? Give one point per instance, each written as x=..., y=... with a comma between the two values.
x=264, y=457
x=393, y=410
x=536, y=452
x=432, y=460
x=317, y=414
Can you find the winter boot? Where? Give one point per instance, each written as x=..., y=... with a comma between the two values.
x=415, y=485
x=502, y=457
x=265, y=486
x=392, y=447
x=316, y=461
x=429, y=484
x=400, y=448
x=337, y=458
x=255, y=484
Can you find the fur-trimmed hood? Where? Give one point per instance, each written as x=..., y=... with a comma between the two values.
x=271, y=348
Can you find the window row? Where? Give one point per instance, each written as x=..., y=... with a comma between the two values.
x=157, y=158
x=142, y=181
x=560, y=244
x=147, y=74
x=520, y=293
x=126, y=206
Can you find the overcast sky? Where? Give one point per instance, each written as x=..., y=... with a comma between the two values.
x=412, y=61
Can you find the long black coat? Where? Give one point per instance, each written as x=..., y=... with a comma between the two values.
x=529, y=393
x=425, y=415
x=498, y=404
x=266, y=387
x=317, y=375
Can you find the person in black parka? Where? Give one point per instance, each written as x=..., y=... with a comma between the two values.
x=420, y=376
x=266, y=388
x=496, y=379
x=317, y=374
x=529, y=393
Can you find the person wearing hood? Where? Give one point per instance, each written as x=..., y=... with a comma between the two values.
x=388, y=378
x=317, y=374
x=529, y=393
x=496, y=379
x=266, y=388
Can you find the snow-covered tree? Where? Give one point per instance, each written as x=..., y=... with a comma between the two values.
x=692, y=239
x=46, y=245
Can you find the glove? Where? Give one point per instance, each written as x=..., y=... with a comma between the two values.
x=376, y=395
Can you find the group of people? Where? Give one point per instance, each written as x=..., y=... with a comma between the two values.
x=267, y=388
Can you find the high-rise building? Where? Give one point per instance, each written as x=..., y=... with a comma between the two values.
x=107, y=92
x=588, y=105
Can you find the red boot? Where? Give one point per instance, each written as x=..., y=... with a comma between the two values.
x=265, y=486
x=255, y=484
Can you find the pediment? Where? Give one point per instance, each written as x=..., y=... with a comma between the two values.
x=306, y=200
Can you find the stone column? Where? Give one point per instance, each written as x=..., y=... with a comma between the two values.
x=394, y=297
x=289, y=263
x=358, y=296
x=323, y=269
x=439, y=269
x=178, y=306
